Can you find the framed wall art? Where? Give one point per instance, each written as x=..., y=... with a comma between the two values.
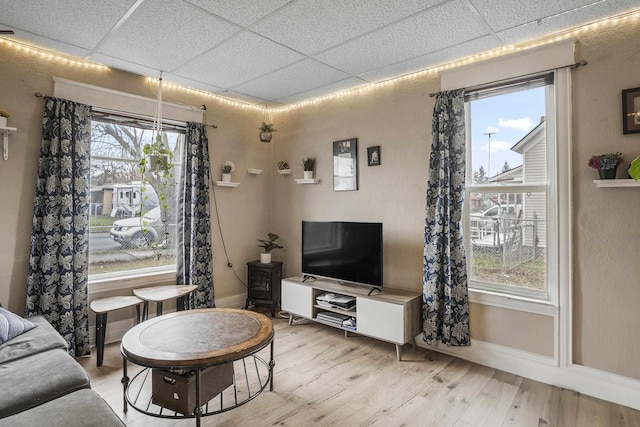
x=345, y=165
x=631, y=110
x=373, y=156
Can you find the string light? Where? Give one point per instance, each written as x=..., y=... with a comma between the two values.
x=52, y=56
x=363, y=89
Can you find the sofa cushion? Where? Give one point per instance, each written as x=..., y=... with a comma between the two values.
x=12, y=325
x=83, y=408
x=37, y=340
x=32, y=381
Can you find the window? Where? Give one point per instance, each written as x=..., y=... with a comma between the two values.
x=127, y=234
x=510, y=209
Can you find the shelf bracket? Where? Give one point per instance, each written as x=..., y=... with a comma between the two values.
x=5, y=140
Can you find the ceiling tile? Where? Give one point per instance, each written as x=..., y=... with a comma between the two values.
x=241, y=58
x=75, y=22
x=501, y=14
x=346, y=84
x=311, y=26
x=242, y=12
x=427, y=32
x=440, y=57
x=163, y=35
x=296, y=78
x=565, y=21
x=127, y=66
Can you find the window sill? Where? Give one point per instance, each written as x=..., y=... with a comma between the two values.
x=512, y=302
x=102, y=283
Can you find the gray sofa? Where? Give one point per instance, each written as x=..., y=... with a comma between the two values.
x=40, y=384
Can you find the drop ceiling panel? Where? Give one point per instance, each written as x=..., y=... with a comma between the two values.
x=242, y=58
x=443, y=56
x=242, y=12
x=349, y=83
x=287, y=50
x=75, y=22
x=164, y=34
x=565, y=21
x=311, y=26
x=427, y=32
x=300, y=77
x=501, y=15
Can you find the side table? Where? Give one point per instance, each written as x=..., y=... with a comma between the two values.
x=101, y=307
x=159, y=294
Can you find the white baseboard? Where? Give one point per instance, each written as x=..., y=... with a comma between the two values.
x=593, y=382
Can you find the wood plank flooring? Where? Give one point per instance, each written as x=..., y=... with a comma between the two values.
x=324, y=379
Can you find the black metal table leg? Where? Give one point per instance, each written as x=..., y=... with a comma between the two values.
x=125, y=384
x=101, y=331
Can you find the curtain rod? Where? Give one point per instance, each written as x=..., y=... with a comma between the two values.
x=203, y=108
x=489, y=86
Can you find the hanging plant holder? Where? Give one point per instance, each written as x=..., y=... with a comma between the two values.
x=158, y=162
x=265, y=136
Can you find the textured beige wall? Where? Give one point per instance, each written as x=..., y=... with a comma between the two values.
x=397, y=117
x=244, y=211
x=606, y=221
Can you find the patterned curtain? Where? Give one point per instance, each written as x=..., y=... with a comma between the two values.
x=194, y=255
x=58, y=262
x=445, y=294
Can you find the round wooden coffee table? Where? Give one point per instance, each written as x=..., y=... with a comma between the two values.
x=187, y=345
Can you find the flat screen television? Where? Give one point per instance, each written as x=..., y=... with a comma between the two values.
x=349, y=252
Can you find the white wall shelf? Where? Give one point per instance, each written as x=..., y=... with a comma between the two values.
x=284, y=171
x=5, y=131
x=609, y=183
x=307, y=181
x=254, y=171
x=227, y=184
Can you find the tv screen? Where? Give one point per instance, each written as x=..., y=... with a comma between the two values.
x=345, y=251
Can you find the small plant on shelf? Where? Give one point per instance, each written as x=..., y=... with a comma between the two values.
x=228, y=167
x=308, y=163
x=4, y=113
x=605, y=161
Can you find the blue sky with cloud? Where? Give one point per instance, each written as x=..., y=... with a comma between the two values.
x=508, y=118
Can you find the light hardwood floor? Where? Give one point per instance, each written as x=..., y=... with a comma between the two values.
x=324, y=379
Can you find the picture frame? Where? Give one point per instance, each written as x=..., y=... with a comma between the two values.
x=631, y=111
x=345, y=165
x=373, y=156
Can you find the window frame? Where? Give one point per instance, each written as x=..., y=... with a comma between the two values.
x=126, y=279
x=557, y=129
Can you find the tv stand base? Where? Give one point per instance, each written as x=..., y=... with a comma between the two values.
x=392, y=315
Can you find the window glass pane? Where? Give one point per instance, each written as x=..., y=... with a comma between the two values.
x=507, y=241
x=126, y=230
x=506, y=228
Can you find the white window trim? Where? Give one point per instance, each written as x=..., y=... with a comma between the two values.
x=110, y=99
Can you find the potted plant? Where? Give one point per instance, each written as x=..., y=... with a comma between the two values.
x=156, y=167
x=227, y=168
x=3, y=118
x=634, y=168
x=307, y=166
x=607, y=164
x=266, y=130
x=268, y=245
x=283, y=168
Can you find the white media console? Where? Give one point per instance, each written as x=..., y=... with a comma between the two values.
x=391, y=315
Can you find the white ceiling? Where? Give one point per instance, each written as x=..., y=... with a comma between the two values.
x=285, y=51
